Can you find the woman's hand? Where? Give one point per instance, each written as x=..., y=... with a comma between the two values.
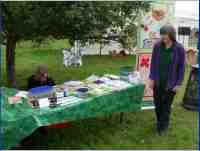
x=151, y=84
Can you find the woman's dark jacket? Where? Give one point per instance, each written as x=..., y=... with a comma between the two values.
x=176, y=68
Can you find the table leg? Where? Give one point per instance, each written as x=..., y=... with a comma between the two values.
x=121, y=116
x=110, y=117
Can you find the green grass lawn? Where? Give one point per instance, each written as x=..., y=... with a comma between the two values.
x=136, y=132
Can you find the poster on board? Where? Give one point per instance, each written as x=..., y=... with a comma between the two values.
x=160, y=13
x=143, y=66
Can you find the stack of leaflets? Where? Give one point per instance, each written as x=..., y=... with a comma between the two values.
x=92, y=78
x=118, y=84
x=73, y=83
x=14, y=100
x=70, y=100
x=23, y=94
x=44, y=102
x=112, y=77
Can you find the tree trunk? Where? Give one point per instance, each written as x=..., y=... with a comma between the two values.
x=10, y=59
x=100, y=49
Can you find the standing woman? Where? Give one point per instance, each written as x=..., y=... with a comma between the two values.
x=166, y=74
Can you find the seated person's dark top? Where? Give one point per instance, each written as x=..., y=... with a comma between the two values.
x=32, y=82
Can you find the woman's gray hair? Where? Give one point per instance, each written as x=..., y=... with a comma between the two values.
x=168, y=30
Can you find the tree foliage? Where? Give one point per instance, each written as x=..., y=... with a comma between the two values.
x=73, y=20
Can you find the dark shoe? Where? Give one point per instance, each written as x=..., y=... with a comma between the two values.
x=162, y=132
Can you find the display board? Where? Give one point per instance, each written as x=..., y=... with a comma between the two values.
x=161, y=13
x=143, y=66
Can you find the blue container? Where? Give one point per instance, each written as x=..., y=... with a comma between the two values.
x=40, y=90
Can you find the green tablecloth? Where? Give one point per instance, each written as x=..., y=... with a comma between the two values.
x=21, y=120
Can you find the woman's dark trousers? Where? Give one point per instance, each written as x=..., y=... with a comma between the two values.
x=163, y=100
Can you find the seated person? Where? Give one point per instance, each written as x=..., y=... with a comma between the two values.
x=40, y=78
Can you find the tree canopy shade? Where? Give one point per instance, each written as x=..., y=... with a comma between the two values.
x=73, y=20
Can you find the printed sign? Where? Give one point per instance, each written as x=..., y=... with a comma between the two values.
x=143, y=66
x=159, y=15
